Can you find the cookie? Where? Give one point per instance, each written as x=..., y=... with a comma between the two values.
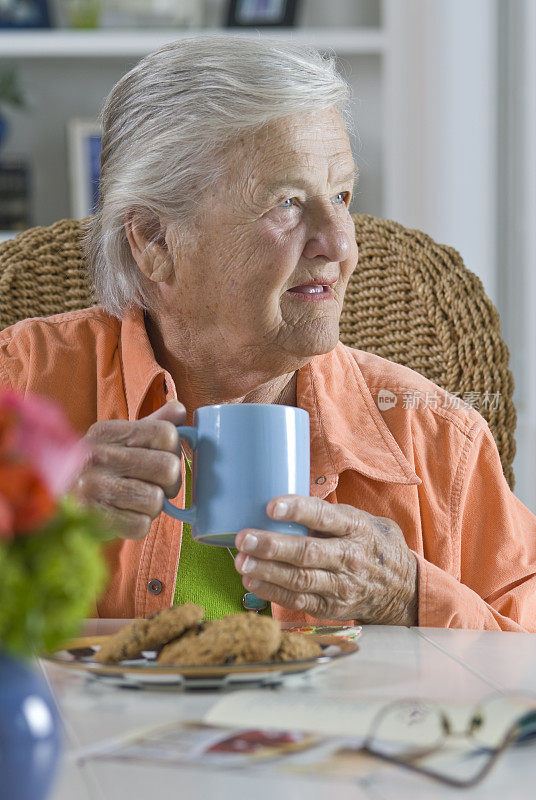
x=235, y=639
x=147, y=634
x=296, y=647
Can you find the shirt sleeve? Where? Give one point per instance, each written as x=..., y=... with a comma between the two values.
x=496, y=587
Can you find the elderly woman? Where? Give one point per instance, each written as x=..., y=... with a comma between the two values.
x=221, y=251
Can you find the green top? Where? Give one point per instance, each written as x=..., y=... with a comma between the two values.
x=206, y=574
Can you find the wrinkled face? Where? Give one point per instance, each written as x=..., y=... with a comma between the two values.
x=264, y=269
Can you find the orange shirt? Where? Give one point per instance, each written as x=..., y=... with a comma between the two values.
x=432, y=467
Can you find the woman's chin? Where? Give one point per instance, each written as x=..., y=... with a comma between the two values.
x=315, y=341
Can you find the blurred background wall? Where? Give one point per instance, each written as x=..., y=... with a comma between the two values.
x=445, y=114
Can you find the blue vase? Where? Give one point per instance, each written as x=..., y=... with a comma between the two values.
x=29, y=732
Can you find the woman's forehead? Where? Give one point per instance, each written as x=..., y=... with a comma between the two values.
x=286, y=148
x=320, y=129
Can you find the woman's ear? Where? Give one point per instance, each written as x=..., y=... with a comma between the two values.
x=149, y=249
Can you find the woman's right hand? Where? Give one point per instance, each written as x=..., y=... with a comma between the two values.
x=132, y=467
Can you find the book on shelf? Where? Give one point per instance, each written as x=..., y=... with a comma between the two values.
x=15, y=212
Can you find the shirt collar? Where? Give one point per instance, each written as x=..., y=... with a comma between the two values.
x=347, y=429
x=140, y=369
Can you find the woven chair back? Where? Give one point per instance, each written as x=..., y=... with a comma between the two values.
x=410, y=300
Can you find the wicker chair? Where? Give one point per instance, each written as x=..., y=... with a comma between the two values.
x=410, y=300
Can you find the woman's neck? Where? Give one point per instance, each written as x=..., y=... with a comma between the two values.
x=203, y=379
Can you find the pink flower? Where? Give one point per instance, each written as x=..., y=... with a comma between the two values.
x=35, y=430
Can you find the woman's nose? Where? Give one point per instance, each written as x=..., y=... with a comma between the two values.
x=329, y=239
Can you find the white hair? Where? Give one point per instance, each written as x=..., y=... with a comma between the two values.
x=166, y=125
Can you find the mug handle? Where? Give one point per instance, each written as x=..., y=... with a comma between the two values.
x=188, y=515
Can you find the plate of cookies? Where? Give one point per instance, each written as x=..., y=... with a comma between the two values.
x=177, y=647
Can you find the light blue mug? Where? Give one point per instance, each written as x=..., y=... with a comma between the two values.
x=244, y=454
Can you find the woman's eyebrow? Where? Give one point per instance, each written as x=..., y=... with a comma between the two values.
x=350, y=177
x=300, y=183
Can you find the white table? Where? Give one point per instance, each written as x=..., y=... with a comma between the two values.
x=392, y=663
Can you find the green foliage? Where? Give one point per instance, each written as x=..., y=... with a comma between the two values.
x=10, y=92
x=50, y=580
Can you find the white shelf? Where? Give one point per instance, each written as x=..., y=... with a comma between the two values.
x=118, y=44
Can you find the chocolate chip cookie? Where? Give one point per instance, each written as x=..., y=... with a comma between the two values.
x=296, y=647
x=147, y=634
x=235, y=639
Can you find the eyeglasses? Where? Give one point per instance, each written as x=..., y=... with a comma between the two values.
x=433, y=742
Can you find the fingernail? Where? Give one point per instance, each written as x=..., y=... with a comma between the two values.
x=248, y=565
x=249, y=543
x=280, y=509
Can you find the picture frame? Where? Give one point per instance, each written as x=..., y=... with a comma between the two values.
x=262, y=13
x=24, y=14
x=84, y=146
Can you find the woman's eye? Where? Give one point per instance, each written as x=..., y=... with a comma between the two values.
x=341, y=197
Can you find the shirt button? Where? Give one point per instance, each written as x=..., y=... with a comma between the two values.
x=155, y=586
x=320, y=481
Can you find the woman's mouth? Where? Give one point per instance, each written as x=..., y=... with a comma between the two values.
x=311, y=292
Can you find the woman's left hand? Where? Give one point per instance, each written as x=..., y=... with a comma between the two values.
x=352, y=566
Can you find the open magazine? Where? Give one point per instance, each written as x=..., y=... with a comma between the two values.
x=281, y=732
